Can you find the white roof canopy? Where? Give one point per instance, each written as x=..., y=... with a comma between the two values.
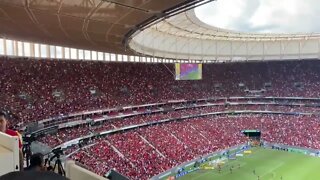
x=186, y=37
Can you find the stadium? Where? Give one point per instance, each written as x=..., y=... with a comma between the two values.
x=161, y=89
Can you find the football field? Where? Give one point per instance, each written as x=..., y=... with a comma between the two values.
x=265, y=163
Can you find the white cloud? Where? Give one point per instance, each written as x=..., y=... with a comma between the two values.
x=263, y=16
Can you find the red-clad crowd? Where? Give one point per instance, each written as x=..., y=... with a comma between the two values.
x=67, y=134
x=71, y=133
x=32, y=90
x=154, y=149
x=101, y=158
x=38, y=89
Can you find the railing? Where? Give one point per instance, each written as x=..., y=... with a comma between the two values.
x=76, y=172
x=104, y=133
x=84, y=117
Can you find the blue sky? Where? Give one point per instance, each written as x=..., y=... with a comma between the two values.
x=263, y=16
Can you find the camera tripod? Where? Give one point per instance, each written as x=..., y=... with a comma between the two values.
x=27, y=152
x=60, y=167
x=57, y=164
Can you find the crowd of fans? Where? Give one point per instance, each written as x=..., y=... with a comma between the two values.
x=70, y=133
x=157, y=148
x=38, y=89
x=32, y=90
x=67, y=134
x=101, y=157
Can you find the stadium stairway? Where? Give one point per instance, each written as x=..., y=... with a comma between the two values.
x=145, y=140
x=119, y=153
x=200, y=133
x=169, y=132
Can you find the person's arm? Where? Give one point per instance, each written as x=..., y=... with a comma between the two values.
x=21, y=159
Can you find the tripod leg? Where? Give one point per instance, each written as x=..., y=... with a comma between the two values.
x=63, y=173
x=60, y=168
x=55, y=164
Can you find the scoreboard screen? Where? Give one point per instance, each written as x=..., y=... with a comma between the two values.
x=188, y=71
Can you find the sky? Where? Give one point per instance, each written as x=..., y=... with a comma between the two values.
x=263, y=16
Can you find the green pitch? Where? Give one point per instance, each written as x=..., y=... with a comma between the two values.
x=268, y=164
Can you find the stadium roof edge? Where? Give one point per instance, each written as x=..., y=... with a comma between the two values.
x=186, y=37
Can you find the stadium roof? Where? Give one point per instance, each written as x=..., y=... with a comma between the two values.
x=100, y=25
x=262, y=16
x=186, y=37
x=158, y=28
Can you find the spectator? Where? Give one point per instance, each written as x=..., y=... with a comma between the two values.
x=4, y=129
x=36, y=163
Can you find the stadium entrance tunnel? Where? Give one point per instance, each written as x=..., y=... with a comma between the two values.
x=253, y=135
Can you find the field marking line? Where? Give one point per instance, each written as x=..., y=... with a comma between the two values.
x=272, y=169
x=200, y=175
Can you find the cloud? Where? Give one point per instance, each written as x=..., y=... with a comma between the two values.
x=263, y=16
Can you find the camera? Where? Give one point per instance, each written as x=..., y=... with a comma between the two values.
x=28, y=138
x=57, y=151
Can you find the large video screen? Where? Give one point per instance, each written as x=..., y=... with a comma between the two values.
x=188, y=71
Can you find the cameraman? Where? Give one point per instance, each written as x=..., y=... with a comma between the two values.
x=36, y=163
x=3, y=128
